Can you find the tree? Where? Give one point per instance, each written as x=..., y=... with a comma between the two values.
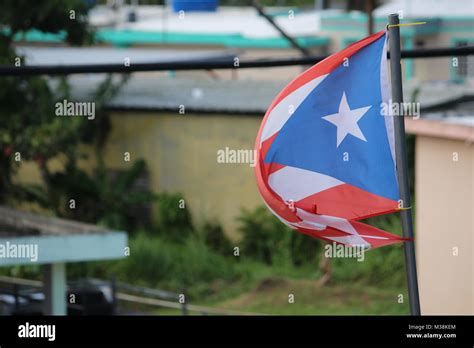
x=29, y=129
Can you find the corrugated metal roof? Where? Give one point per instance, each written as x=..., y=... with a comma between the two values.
x=19, y=223
x=427, y=8
x=159, y=93
x=203, y=96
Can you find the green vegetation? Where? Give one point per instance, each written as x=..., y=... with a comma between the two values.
x=266, y=239
x=174, y=220
x=201, y=263
x=30, y=130
x=27, y=126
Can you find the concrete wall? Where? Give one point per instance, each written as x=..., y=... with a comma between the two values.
x=445, y=225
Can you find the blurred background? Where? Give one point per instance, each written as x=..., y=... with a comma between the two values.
x=132, y=211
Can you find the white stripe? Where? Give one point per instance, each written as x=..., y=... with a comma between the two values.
x=349, y=240
x=309, y=225
x=331, y=221
x=292, y=183
x=283, y=110
x=386, y=93
x=320, y=222
x=373, y=237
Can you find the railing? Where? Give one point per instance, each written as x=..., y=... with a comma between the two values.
x=133, y=294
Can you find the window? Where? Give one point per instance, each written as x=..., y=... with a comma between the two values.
x=465, y=64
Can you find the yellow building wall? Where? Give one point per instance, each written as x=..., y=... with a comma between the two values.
x=181, y=154
x=445, y=225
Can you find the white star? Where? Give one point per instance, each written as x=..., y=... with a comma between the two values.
x=346, y=120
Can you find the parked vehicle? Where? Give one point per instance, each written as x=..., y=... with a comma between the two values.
x=86, y=297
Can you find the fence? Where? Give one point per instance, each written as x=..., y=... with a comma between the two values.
x=128, y=293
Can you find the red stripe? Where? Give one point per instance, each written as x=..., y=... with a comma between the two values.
x=348, y=202
x=362, y=229
x=365, y=229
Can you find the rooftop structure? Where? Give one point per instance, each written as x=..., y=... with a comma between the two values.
x=53, y=242
x=247, y=96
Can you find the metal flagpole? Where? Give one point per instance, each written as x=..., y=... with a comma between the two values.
x=401, y=159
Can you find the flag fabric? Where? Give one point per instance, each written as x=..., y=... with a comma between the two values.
x=325, y=149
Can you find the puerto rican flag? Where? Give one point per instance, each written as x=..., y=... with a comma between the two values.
x=325, y=151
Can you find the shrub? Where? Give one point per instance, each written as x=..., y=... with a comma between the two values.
x=261, y=234
x=215, y=238
x=267, y=239
x=304, y=249
x=158, y=261
x=173, y=217
x=383, y=266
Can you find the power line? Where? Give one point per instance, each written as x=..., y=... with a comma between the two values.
x=7, y=70
x=282, y=32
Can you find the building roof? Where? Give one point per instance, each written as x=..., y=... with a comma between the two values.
x=454, y=128
x=446, y=9
x=440, y=16
x=159, y=93
x=57, y=240
x=440, y=95
x=226, y=20
x=227, y=27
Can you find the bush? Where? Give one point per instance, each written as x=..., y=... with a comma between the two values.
x=304, y=249
x=215, y=238
x=384, y=266
x=261, y=234
x=156, y=261
x=101, y=198
x=173, y=217
x=267, y=239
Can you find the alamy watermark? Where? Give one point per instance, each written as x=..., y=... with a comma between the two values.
x=69, y=108
x=28, y=330
x=228, y=155
x=336, y=250
x=19, y=251
x=401, y=109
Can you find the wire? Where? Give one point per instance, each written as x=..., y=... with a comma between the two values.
x=7, y=70
x=405, y=24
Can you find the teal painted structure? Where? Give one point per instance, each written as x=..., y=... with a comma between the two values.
x=69, y=247
x=52, y=244
x=55, y=286
x=126, y=38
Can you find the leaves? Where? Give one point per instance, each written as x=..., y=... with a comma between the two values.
x=50, y=16
x=28, y=122
x=267, y=239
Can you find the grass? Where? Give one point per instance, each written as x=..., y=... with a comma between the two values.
x=271, y=297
